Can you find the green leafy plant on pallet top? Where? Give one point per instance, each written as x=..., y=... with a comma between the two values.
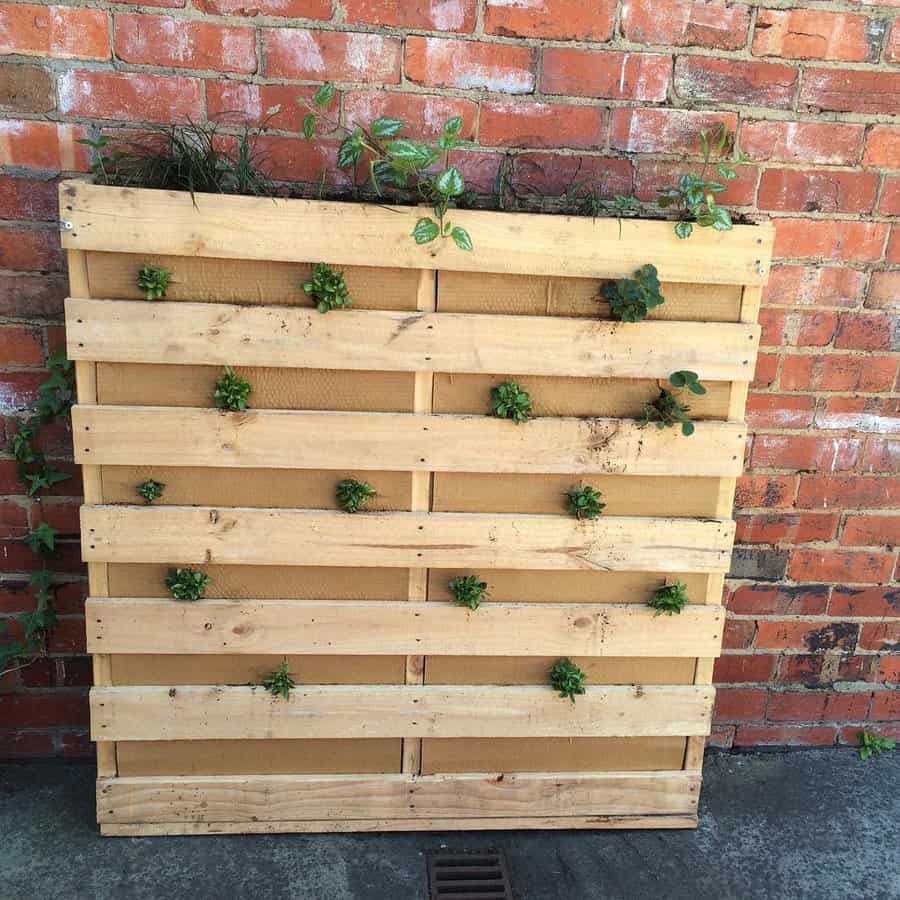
x=585, y=502
x=150, y=490
x=872, y=744
x=667, y=410
x=352, y=495
x=670, y=599
x=280, y=683
x=510, y=401
x=567, y=678
x=231, y=391
x=187, y=584
x=154, y=281
x=468, y=590
x=630, y=299
x=396, y=161
x=327, y=288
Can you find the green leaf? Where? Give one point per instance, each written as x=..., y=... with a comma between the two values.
x=349, y=153
x=309, y=125
x=461, y=238
x=324, y=95
x=404, y=149
x=687, y=428
x=683, y=229
x=453, y=125
x=679, y=379
x=450, y=182
x=386, y=127
x=426, y=230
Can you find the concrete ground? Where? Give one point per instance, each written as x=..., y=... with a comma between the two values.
x=794, y=825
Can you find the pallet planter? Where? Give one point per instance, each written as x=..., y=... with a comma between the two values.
x=410, y=712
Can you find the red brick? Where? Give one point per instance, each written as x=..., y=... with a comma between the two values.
x=721, y=736
x=830, y=239
x=133, y=96
x=883, y=147
x=13, y=519
x=686, y=23
x=605, y=73
x=848, y=492
x=884, y=291
x=766, y=370
x=740, y=705
x=555, y=19
x=77, y=744
x=42, y=145
x=553, y=174
x=333, y=55
x=871, y=414
x=803, y=634
x=807, y=452
x=792, y=528
x=470, y=65
x=813, y=34
x=881, y=455
x=431, y=15
x=866, y=331
x=795, y=706
x=779, y=599
x=636, y=130
x=892, y=253
x=744, y=667
x=25, y=744
x=847, y=601
x=883, y=637
x=768, y=735
x=425, y=114
x=254, y=104
x=851, y=90
x=513, y=124
x=765, y=491
x=164, y=41
x=817, y=190
x=653, y=174
x=28, y=249
x=291, y=9
x=809, y=143
x=296, y=159
x=889, y=203
x=480, y=170
x=871, y=531
x=838, y=372
x=846, y=705
x=892, y=48
x=70, y=598
x=169, y=4
x=841, y=566
x=735, y=81
x=885, y=706
x=59, y=32
x=28, y=198
x=889, y=669
x=779, y=411
x=789, y=328
x=814, y=286
x=43, y=710
x=738, y=634
x=20, y=345
x=26, y=89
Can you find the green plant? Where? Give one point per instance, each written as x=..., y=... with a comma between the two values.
x=399, y=162
x=667, y=410
x=669, y=599
x=150, y=490
x=693, y=198
x=187, y=584
x=567, y=678
x=468, y=590
x=510, y=401
x=42, y=539
x=688, y=379
x=231, y=391
x=584, y=502
x=352, y=495
x=280, y=683
x=154, y=281
x=873, y=744
x=630, y=299
x=327, y=288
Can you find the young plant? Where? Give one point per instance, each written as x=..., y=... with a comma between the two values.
x=352, y=495
x=567, y=678
x=327, y=288
x=154, y=281
x=468, y=590
x=874, y=744
x=669, y=599
x=686, y=378
x=150, y=490
x=399, y=162
x=280, y=683
x=231, y=391
x=510, y=401
x=42, y=539
x=693, y=198
x=630, y=299
x=187, y=584
x=584, y=502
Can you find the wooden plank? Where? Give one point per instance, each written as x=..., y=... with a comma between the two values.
x=129, y=220
x=218, y=334
x=340, y=711
x=281, y=439
x=283, y=798
x=234, y=535
x=397, y=627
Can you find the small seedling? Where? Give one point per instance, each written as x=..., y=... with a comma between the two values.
x=873, y=744
x=187, y=584
x=584, y=502
x=567, y=678
x=352, y=495
x=42, y=539
x=154, y=281
x=231, y=391
x=150, y=490
x=327, y=288
x=280, y=683
x=669, y=599
x=630, y=299
x=685, y=378
x=666, y=410
x=510, y=401
x=468, y=590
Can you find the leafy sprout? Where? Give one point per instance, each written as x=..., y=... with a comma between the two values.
x=630, y=299
x=154, y=281
x=510, y=401
x=585, y=503
x=280, y=683
x=150, y=490
x=669, y=599
x=874, y=744
x=352, y=495
x=567, y=678
x=187, y=584
x=688, y=379
x=42, y=539
x=327, y=288
x=468, y=590
x=666, y=410
x=231, y=391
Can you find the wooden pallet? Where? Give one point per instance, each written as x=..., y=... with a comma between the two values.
x=410, y=712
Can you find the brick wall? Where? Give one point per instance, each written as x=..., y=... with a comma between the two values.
x=611, y=90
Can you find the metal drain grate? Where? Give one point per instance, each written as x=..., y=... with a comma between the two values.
x=468, y=875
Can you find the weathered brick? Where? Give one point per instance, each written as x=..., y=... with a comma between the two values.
x=779, y=411
x=27, y=249
x=803, y=736
x=605, y=73
x=841, y=566
x=653, y=174
x=20, y=345
x=851, y=90
x=28, y=198
x=424, y=114
x=636, y=130
x=802, y=451
x=814, y=286
x=42, y=145
x=883, y=147
x=290, y=9
x=892, y=252
x=830, y=239
x=766, y=370
x=25, y=89
x=62, y=32
x=41, y=710
x=738, y=634
x=871, y=531
x=816, y=34
x=889, y=670
x=769, y=491
x=885, y=706
x=435, y=62
x=804, y=634
x=881, y=455
x=332, y=55
x=296, y=159
x=786, y=528
x=686, y=23
x=838, y=372
x=817, y=190
x=735, y=81
x=817, y=143
x=779, y=599
x=889, y=203
x=555, y=19
x=847, y=492
x=25, y=744
x=553, y=174
x=431, y=15
x=892, y=46
x=790, y=328
x=883, y=637
x=875, y=602
x=254, y=104
x=735, y=668
x=867, y=331
x=884, y=291
x=513, y=124
x=795, y=706
x=33, y=295
x=740, y=704
x=869, y=414
x=758, y=563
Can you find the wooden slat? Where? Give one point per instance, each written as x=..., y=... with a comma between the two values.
x=281, y=439
x=262, y=798
x=340, y=711
x=198, y=535
x=398, y=627
x=217, y=334
x=128, y=220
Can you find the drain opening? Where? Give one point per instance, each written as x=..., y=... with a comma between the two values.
x=468, y=875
